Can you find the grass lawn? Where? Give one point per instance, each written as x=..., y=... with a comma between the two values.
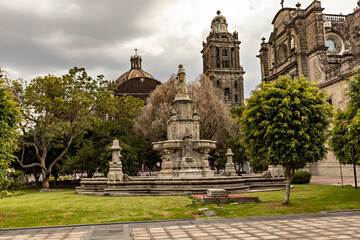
x=66, y=207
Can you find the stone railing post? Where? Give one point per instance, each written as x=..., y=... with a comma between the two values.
x=230, y=166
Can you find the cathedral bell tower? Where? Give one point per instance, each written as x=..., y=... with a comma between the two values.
x=221, y=61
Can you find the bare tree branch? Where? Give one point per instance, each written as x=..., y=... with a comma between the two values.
x=30, y=165
x=62, y=153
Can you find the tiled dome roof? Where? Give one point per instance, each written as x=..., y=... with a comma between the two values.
x=133, y=73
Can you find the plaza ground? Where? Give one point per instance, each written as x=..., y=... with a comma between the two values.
x=327, y=225
x=343, y=224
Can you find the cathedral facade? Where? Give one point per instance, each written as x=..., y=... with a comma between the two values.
x=221, y=61
x=325, y=48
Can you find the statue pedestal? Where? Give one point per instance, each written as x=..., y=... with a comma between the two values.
x=115, y=172
x=230, y=169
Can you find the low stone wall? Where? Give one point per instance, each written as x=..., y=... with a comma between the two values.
x=151, y=186
x=332, y=169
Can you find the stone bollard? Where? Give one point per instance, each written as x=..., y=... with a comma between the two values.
x=230, y=166
x=115, y=170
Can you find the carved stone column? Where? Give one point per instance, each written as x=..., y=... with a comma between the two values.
x=115, y=170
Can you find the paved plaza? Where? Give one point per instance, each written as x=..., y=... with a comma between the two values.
x=329, y=225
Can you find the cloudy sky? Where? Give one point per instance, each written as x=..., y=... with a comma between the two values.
x=38, y=37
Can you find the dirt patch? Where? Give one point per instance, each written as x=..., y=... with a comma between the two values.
x=165, y=214
x=277, y=205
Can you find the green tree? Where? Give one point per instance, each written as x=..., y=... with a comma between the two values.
x=91, y=151
x=285, y=123
x=9, y=120
x=57, y=110
x=346, y=130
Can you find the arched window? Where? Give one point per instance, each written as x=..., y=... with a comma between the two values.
x=225, y=64
x=236, y=98
x=282, y=52
x=217, y=57
x=224, y=52
x=331, y=45
x=235, y=85
x=217, y=83
x=334, y=43
x=227, y=94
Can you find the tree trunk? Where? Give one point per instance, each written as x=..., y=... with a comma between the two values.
x=45, y=179
x=287, y=194
x=37, y=177
x=289, y=177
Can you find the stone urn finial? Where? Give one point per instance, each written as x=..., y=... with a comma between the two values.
x=298, y=5
x=218, y=12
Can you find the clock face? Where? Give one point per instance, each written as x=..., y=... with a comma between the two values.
x=331, y=45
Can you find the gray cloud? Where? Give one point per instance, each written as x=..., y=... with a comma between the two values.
x=49, y=36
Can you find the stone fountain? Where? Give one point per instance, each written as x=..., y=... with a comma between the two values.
x=183, y=154
x=185, y=166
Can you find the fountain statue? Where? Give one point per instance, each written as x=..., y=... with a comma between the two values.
x=183, y=153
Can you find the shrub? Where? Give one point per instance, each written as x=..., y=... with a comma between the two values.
x=15, y=181
x=301, y=177
x=7, y=194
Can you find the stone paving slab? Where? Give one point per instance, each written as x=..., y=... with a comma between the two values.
x=338, y=225
x=327, y=225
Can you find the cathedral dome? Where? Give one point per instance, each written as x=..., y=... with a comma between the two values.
x=136, y=82
x=133, y=73
x=219, y=23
